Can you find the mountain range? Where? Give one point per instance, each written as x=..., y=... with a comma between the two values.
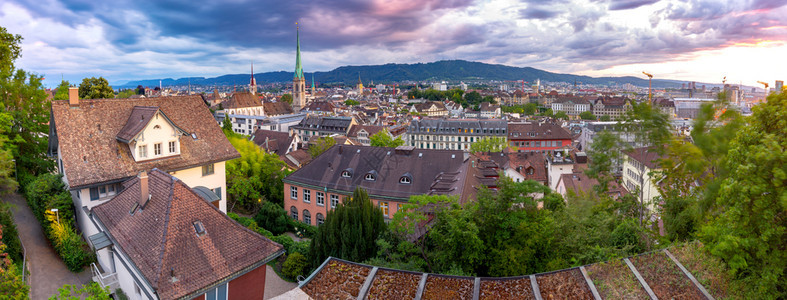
x=448, y=70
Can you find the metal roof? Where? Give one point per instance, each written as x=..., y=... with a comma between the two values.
x=206, y=193
x=100, y=240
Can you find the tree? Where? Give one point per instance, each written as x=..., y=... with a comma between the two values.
x=11, y=284
x=273, y=218
x=226, y=124
x=473, y=98
x=530, y=109
x=383, y=139
x=749, y=230
x=605, y=118
x=91, y=291
x=7, y=165
x=126, y=93
x=254, y=177
x=489, y=99
x=350, y=231
x=351, y=102
x=587, y=115
x=62, y=90
x=320, y=145
x=24, y=99
x=548, y=113
x=286, y=98
x=95, y=88
x=489, y=144
x=561, y=115
x=295, y=265
x=604, y=155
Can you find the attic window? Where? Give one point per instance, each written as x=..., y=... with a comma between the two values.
x=405, y=180
x=369, y=177
x=346, y=174
x=134, y=208
x=199, y=228
x=157, y=127
x=194, y=136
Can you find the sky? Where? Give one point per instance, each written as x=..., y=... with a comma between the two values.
x=692, y=40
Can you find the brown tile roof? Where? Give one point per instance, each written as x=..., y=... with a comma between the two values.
x=242, y=100
x=646, y=155
x=526, y=160
x=320, y=106
x=371, y=129
x=580, y=182
x=160, y=238
x=91, y=153
x=272, y=141
x=277, y=108
x=298, y=158
x=537, y=131
x=420, y=107
x=139, y=118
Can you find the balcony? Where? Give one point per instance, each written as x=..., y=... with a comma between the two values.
x=105, y=279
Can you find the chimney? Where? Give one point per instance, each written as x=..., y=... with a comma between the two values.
x=73, y=96
x=144, y=193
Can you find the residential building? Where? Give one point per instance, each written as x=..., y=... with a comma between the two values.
x=572, y=106
x=322, y=126
x=161, y=239
x=320, y=108
x=276, y=142
x=389, y=175
x=537, y=136
x=363, y=133
x=564, y=162
x=614, y=107
x=100, y=143
x=452, y=134
x=520, y=166
x=489, y=111
x=244, y=104
x=688, y=108
x=274, y=109
x=578, y=183
x=638, y=166
x=430, y=109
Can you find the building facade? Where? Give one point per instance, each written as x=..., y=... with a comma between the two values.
x=452, y=134
x=322, y=126
x=614, y=107
x=537, y=137
x=572, y=106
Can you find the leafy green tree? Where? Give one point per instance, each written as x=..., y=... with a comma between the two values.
x=7, y=164
x=749, y=232
x=489, y=144
x=126, y=93
x=226, y=125
x=273, y=218
x=286, y=98
x=254, y=177
x=604, y=155
x=489, y=99
x=95, y=88
x=62, y=90
x=473, y=98
x=587, y=115
x=351, y=102
x=322, y=144
x=10, y=235
x=548, y=113
x=561, y=115
x=24, y=99
x=383, y=139
x=91, y=291
x=11, y=284
x=350, y=231
x=530, y=109
x=605, y=118
x=294, y=265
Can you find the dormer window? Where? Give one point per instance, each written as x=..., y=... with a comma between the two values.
x=199, y=228
x=405, y=180
x=157, y=127
x=369, y=177
x=346, y=174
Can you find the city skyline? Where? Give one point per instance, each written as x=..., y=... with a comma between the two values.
x=694, y=41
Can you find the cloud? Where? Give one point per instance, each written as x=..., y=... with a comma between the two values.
x=537, y=13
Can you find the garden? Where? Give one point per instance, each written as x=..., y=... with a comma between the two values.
x=338, y=280
x=664, y=277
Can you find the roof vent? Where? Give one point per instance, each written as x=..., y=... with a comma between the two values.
x=199, y=228
x=194, y=136
x=453, y=155
x=420, y=155
x=358, y=151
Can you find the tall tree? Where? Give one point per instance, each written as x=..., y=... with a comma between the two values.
x=383, y=139
x=24, y=99
x=322, y=144
x=587, y=115
x=350, y=231
x=7, y=163
x=95, y=88
x=750, y=230
x=489, y=144
x=62, y=90
x=254, y=177
x=605, y=157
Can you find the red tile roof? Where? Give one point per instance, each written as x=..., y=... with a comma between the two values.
x=160, y=238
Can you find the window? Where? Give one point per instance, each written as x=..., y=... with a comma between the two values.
x=143, y=151
x=294, y=192
x=218, y=192
x=405, y=180
x=399, y=207
x=219, y=293
x=93, y=194
x=172, y=148
x=369, y=177
x=384, y=208
x=207, y=170
x=157, y=149
x=320, y=198
x=334, y=201
x=346, y=174
x=294, y=213
x=320, y=219
x=307, y=217
x=307, y=196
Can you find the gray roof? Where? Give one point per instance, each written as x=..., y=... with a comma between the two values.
x=206, y=193
x=100, y=240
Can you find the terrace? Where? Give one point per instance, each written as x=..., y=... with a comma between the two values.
x=654, y=275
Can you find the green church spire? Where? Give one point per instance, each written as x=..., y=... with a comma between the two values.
x=298, y=68
x=312, y=81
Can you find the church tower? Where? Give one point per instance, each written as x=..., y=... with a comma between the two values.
x=253, y=82
x=298, y=81
x=314, y=89
x=360, y=85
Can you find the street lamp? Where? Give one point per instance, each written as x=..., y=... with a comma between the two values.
x=55, y=210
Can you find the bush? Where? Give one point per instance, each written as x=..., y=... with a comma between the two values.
x=250, y=224
x=11, y=284
x=91, y=291
x=294, y=265
x=10, y=234
x=47, y=192
x=305, y=230
x=273, y=218
x=70, y=246
x=284, y=240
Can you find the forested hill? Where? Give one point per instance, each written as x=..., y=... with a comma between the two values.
x=452, y=70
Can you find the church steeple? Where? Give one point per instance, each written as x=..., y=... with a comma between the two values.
x=298, y=67
x=314, y=90
x=253, y=82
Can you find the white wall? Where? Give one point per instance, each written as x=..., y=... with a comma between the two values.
x=555, y=170
x=150, y=136
x=193, y=178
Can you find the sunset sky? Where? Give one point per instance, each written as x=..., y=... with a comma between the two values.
x=700, y=40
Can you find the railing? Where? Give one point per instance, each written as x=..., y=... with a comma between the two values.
x=24, y=261
x=109, y=280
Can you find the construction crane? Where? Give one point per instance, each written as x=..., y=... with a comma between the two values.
x=765, y=84
x=650, y=78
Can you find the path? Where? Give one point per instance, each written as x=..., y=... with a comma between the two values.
x=274, y=285
x=47, y=271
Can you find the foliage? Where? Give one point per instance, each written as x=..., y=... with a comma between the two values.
x=254, y=177
x=273, y=218
x=350, y=231
x=295, y=265
x=320, y=145
x=605, y=118
x=489, y=144
x=604, y=155
x=526, y=109
x=286, y=98
x=548, y=113
x=91, y=291
x=123, y=94
x=303, y=229
x=11, y=284
x=250, y=224
x=7, y=164
x=561, y=115
x=226, y=125
x=95, y=88
x=749, y=232
x=10, y=236
x=587, y=115
x=62, y=90
x=47, y=192
x=351, y=102
x=69, y=245
x=383, y=139
x=23, y=98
